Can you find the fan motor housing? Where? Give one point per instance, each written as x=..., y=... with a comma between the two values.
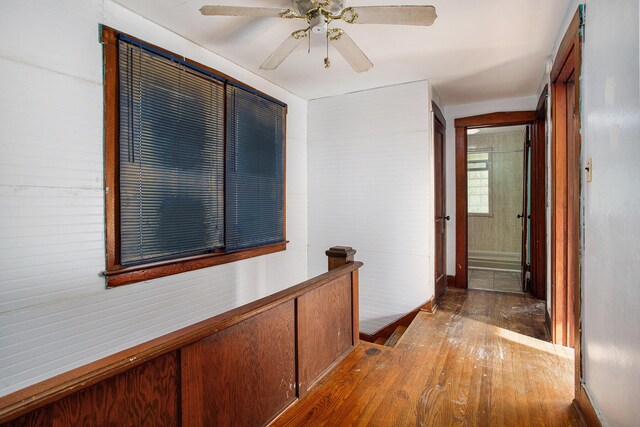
x=302, y=7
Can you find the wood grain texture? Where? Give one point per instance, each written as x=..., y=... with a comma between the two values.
x=355, y=307
x=244, y=375
x=462, y=225
x=508, y=118
x=524, y=240
x=437, y=112
x=440, y=205
x=395, y=336
x=54, y=389
x=147, y=395
x=451, y=280
x=573, y=208
x=166, y=268
x=585, y=408
x=565, y=195
x=566, y=172
x=482, y=359
x=339, y=255
x=462, y=219
x=566, y=45
x=112, y=147
x=386, y=331
x=324, y=330
x=538, y=200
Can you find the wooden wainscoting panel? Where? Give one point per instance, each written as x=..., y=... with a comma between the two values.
x=146, y=395
x=243, y=375
x=324, y=330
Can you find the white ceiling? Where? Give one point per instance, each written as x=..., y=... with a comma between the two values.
x=475, y=50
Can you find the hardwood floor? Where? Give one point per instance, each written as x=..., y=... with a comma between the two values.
x=481, y=359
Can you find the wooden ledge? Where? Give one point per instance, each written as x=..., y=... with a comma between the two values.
x=37, y=395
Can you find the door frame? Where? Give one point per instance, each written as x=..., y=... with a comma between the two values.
x=511, y=118
x=538, y=208
x=565, y=195
x=439, y=121
x=525, y=245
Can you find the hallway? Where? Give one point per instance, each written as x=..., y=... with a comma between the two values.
x=481, y=359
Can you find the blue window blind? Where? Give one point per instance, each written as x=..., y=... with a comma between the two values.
x=254, y=170
x=171, y=158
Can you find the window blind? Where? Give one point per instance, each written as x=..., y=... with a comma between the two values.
x=171, y=158
x=254, y=170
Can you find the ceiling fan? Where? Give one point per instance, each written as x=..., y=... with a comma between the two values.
x=319, y=14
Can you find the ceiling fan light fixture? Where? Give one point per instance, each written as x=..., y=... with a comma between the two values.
x=318, y=23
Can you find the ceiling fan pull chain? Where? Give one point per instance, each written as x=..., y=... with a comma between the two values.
x=327, y=63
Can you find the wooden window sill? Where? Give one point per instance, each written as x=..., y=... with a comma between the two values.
x=140, y=273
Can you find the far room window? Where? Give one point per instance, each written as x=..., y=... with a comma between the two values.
x=478, y=183
x=194, y=164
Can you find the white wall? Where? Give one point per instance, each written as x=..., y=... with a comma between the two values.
x=610, y=105
x=55, y=313
x=452, y=112
x=611, y=257
x=371, y=187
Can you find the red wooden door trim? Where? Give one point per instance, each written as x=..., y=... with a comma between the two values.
x=440, y=204
x=510, y=118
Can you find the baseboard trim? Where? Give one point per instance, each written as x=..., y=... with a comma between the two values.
x=490, y=259
x=584, y=407
x=452, y=284
x=387, y=330
x=430, y=306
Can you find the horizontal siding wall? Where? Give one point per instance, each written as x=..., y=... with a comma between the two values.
x=370, y=187
x=55, y=313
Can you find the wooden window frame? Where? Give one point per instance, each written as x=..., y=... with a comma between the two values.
x=116, y=274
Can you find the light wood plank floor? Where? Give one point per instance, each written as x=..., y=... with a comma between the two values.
x=482, y=359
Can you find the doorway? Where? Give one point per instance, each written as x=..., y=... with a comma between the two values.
x=462, y=125
x=498, y=182
x=566, y=187
x=563, y=203
x=441, y=218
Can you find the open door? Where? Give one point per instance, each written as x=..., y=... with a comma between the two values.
x=440, y=205
x=524, y=216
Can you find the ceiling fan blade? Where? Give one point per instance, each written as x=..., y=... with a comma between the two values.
x=395, y=15
x=285, y=49
x=350, y=51
x=242, y=11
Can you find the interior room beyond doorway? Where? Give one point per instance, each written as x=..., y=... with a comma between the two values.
x=495, y=171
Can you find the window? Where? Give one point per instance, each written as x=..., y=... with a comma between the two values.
x=194, y=165
x=478, y=183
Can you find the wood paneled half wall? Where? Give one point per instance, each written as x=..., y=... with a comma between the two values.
x=243, y=367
